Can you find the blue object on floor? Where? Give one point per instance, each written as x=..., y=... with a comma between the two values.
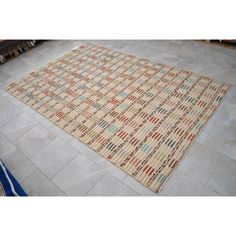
x=8, y=184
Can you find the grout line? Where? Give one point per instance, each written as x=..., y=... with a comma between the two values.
x=30, y=160
x=50, y=143
x=94, y=184
x=14, y=116
x=23, y=156
x=211, y=187
x=23, y=134
x=139, y=183
x=51, y=178
x=106, y=172
x=37, y=169
x=169, y=192
x=212, y=148
x=117, y=180
x=178, y=180
x=103, y=159
x=10, y=120
x=198, y=182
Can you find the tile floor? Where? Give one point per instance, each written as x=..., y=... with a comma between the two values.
x=47, y=161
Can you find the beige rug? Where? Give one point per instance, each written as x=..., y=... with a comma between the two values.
x=141, y=116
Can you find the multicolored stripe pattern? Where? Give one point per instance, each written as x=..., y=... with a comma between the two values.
x=141, y=116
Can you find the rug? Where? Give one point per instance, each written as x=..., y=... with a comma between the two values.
x=140, y=115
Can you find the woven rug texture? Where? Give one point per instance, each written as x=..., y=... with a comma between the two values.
x=141, y=116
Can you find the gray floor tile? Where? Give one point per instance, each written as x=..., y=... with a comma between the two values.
x=3, y=93
x=205, y=131
x=186, y=63
x=226, y=114
x=168, y=58
x=79, y=176
x=187, y=187
x=112, y=169
x=34, y=58
x=29, y=111
x=15, y=161
x=22, y=106
x=168, y=46
x=13, y=65
x=4, y=84
x=222, y=139
x=26, y=109
x=110, y=186
x=57, y=50
x=8, y=111
x=24, y=169
x=152, y=54
x=211, y=69
x=41, y=119
x=85, y=150
x=3, y=76
x=116, y=44
x=223, y=179
x=34, y=140
x=231, y=95
x=214, y=59
x=17, y=127
x=230, y=56
x=170, y=183
x=6, y=147
x=61, y=194
x=228, y=75
x=138, y=187
x=195, y=65
x=51, y=159
x=199, y=162
x=60, y=133
x=37, y=184
x=19, y=71
x=192, y=49
x=13, y=99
